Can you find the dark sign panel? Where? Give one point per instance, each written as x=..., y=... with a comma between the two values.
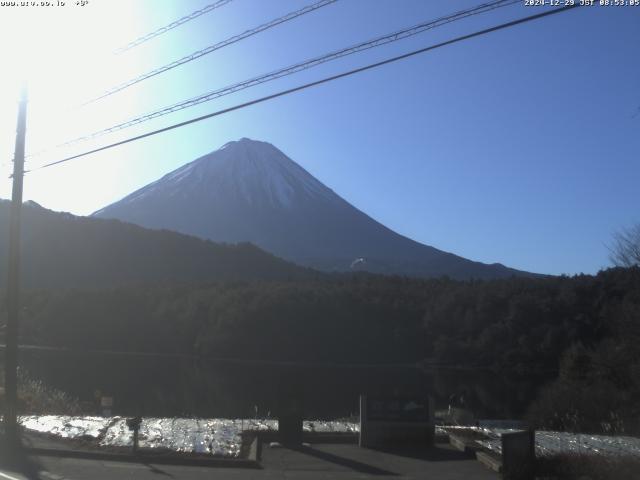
x=518, y=455
x=398, y=409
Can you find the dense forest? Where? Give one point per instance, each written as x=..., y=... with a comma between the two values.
x=576, y=336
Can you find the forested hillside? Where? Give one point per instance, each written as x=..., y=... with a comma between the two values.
x=60, y=250
x=520, y=324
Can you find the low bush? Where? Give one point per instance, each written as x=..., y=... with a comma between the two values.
x=575, y=466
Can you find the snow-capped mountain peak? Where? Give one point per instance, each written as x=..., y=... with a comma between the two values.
x=251, y=171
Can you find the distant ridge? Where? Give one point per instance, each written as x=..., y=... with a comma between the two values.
x=60, y=250
x=249, y=191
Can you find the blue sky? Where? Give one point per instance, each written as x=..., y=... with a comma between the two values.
x=519, y=147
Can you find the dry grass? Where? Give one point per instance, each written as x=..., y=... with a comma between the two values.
x=37, y=398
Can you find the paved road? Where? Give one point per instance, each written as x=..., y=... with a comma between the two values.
x=319, y=462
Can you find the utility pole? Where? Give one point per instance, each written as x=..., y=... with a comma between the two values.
x=13, y=284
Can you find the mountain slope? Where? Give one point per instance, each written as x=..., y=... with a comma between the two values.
x=62, y=250
x=249, y=191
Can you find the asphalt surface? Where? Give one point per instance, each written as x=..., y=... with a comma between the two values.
x=320, y=461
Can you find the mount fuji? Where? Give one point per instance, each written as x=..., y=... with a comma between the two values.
x=249, y=191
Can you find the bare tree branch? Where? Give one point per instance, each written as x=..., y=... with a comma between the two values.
x=625, y=249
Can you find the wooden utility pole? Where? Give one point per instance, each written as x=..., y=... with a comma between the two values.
x=13, y=284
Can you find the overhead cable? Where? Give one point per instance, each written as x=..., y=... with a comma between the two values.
x=315, y=83
x=290, y=70
x=171, y=26
x=212, y=48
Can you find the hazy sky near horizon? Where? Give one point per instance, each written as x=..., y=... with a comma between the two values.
x=519, y=147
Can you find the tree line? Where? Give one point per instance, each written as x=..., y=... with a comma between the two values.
x=572, y=334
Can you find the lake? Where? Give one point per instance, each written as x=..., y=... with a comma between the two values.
x=189, y=387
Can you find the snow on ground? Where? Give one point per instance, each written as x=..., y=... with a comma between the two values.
x=551, y=443
x=221, y=437
x=217, y=437
x=320, y=426
x=65, y=426
x=214, y=436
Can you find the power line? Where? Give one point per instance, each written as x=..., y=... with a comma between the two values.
x=315, y=83
x=212, y=48
x=171, y=26
x=290, y=70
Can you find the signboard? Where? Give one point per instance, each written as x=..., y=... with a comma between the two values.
x=518, y=455
x=390, y=421
x=397, y=409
